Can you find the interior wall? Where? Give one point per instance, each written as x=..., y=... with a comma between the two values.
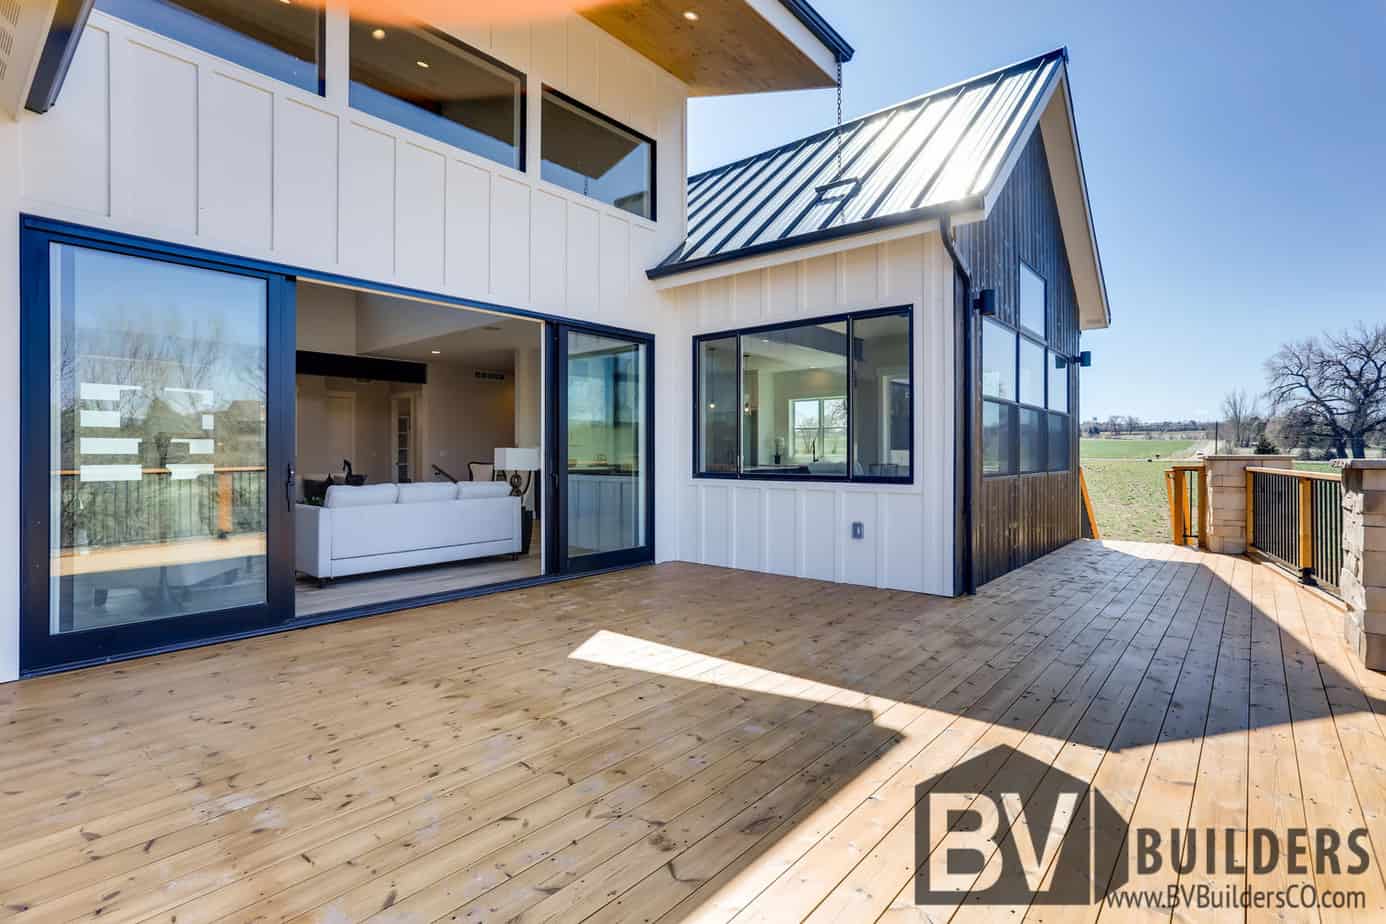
x=372, y=455
x=465, y=419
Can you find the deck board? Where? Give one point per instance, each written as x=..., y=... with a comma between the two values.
x=685, y=743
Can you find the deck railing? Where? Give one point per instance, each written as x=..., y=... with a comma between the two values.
x=1186, y=486
x=159, y=507
x=1295, y=518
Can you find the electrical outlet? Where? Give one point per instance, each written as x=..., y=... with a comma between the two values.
x=858, y=530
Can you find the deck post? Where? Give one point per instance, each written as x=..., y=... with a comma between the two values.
x=1181, y=501
x=1228, y=499
x=1363, y=579
x=1306, y=530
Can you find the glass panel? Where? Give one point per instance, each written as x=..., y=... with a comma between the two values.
x=794, y=383
x=1031, y=373
x=882, y=396
x=158, y=500
x=606, y=432
x=431, y=84
x=998, y=361
x=718, y=410
x=1058, y=383
x=1032, y=302
x=1032, y=429
x=590, y=155
x=996, y=438
x=1059, y=442
x=279, y=40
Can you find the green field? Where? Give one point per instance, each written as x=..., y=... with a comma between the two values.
x=1129, y=498
x=1137, y=449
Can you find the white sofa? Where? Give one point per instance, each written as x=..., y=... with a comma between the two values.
x=360, y=530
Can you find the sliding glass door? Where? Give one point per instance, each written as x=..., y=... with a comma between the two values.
x=603, y=465
x=155, y=507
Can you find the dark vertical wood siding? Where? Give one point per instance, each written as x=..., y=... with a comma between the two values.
x=1021, y=518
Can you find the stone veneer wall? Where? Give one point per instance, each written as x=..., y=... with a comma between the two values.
x=1227, y=499
x=1363, y=581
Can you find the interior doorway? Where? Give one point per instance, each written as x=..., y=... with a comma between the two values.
x=404, y=408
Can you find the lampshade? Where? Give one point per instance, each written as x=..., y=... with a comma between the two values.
x=517, y=460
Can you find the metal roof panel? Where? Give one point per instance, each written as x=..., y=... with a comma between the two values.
x=924, y=154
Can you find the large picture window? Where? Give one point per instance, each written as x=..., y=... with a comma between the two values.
x=827, y=399
x=279, y=40
x=428, y=82
x=1025, y=394
x=590, y=154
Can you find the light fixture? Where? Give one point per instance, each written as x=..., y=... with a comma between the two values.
x=378, y=34
x=422, y=64
x=691, y=16
x=437, y=352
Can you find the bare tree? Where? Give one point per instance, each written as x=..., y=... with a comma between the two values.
x=1239, y=408
x=1338, y=379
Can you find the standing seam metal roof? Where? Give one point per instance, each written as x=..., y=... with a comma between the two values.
x=940, y=152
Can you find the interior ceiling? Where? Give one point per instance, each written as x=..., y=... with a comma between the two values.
x=478, y=347
x=730, y=49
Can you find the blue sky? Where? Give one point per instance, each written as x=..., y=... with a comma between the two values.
x=1235, y=154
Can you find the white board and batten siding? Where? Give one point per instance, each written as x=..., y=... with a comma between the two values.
x=804, y=530
x=155, y=138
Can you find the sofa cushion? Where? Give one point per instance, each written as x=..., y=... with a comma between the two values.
x=340, y=496
x=479, y=489
x=396, y=528
x=427, y=493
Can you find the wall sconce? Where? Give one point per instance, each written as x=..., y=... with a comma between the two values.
x=1085, y=359
x=986, y=303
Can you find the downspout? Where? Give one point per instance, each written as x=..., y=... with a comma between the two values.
x=963, y=481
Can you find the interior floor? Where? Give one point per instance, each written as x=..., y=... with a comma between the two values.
x=413, y=583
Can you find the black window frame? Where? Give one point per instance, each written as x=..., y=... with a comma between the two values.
x=547, y=90
x=1043, y=332
x=1013, y=407
x=142, y=13
x=521, y=163
x=905, y=311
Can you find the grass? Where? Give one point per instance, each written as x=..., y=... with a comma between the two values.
x=1129, y=498
x=1136, y=449
x=1128, y=494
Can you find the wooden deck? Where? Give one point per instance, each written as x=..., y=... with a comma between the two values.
x=680, y=743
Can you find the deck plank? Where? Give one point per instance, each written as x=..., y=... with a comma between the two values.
x=685, y=743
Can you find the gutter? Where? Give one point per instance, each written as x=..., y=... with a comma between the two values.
x=825, y=33
x=963, y=480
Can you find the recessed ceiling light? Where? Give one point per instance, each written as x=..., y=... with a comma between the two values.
x=423, y=64
x=491, y=327
x=691, y=16
x=437, y=352
x=378, y=34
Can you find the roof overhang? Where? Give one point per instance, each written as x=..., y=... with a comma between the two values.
x=734, y=46
x=1060, y=134
x=32, y=44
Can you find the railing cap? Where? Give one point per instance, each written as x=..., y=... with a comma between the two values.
x=1363, y=465
x=1249, y=459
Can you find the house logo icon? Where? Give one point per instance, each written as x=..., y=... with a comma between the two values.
x=1031, y=835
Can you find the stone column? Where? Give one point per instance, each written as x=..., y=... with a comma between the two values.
x=1227, y=499
x=1363, y=581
